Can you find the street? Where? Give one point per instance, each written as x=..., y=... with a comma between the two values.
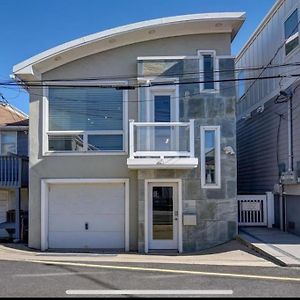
x=56, y=279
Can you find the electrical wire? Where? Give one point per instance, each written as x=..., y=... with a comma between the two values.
x=135, y=76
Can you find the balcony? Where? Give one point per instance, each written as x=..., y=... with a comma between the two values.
x=161, y=145
x=13, y=172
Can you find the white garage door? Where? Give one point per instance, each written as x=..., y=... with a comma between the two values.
x=87, y=216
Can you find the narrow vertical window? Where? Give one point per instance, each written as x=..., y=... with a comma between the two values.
x=208, y=67
x=210, y=157
x=241, y=84
x=291, y=33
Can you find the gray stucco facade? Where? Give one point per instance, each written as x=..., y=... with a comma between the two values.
x=216, y=209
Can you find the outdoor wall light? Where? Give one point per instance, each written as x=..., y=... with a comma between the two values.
x=229, y=150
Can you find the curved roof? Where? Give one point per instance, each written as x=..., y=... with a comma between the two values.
x=229, y=22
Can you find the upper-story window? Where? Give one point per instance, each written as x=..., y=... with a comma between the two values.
x=291, y=32
x=8, y=143
x=208, y=71
x=241, y=84
x=85, y=119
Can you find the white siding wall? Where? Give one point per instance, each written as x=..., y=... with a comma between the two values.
x=260, y=52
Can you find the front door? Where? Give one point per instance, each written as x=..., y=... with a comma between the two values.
x=163, y=216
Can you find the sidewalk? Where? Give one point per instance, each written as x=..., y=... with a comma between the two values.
x=230, y=254
x=281, y=247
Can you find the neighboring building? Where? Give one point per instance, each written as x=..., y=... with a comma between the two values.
x=13, y=173
x=98, y=179
x=265, y=132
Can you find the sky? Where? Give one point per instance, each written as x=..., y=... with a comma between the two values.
x=32, y=26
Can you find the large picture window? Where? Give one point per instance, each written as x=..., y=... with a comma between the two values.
x=85, y=119
x=210, y=157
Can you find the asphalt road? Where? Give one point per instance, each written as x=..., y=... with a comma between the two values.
x=51, y=279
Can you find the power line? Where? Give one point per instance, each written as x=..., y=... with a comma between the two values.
x=156, y=83
x=135, y=76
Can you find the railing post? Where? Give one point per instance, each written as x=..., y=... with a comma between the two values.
x=131, y=138
x=192, y=138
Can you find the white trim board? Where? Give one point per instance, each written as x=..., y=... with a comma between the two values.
x=45, y=203
x=146, y=202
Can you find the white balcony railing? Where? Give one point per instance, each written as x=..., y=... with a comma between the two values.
x=152, y=141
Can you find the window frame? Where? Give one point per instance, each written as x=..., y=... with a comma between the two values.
x=217, y=130
x=286, y=56
x=201, y=54
x=85, y=133
x=16, y=137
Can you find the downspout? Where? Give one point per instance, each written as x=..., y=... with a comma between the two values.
x=290, y=134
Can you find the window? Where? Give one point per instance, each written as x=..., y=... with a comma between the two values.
x=208, y=71
x=241, y=84
x=8, y=143
x=291, y=32
x=85, y=119
x=210, y=157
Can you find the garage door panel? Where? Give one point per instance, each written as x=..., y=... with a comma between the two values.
x=104, y=222
x=101, y=205
x=104, y=240
x=110, y=197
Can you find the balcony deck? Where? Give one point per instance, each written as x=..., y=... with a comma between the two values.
x=162, y=145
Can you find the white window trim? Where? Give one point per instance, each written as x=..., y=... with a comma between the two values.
x=16, y=139
x=201, y=53
x=217, y=130
x=45, y=112
x=287, y=57
x=45, y=204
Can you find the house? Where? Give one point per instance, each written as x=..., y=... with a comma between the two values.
x=268, y=122
x=13, y=173
x=128, y=128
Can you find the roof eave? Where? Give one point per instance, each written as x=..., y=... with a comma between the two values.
x=32, y=68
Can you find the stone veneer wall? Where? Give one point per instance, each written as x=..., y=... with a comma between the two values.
x=216, y=209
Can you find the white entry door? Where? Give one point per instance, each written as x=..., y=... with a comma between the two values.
x=163, y=216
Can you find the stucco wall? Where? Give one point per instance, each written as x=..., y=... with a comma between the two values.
x=120, y=61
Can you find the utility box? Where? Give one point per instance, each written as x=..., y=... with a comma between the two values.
x=289, y=177
x=190, y=220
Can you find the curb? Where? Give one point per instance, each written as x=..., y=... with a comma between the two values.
x=267, y=255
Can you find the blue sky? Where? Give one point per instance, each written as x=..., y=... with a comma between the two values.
x=32, y=26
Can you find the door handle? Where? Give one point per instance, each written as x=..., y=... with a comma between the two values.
x=86, y=225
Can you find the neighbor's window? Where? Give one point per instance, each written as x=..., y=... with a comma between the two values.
x=210, y=157
x=241, y=84
x=85, y=119
x=291, y=32
x=208, y=67
x=8, y=143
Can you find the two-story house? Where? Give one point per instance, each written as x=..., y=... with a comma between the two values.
x=129, y=136
x=13, y=173
x=268, y=112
